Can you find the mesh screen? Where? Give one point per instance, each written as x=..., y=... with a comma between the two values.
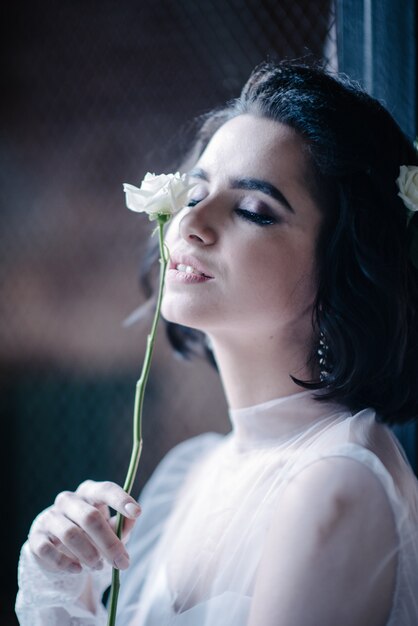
x=97, y=94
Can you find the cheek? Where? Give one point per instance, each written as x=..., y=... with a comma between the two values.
x=172, y=231
x=274, y=278
x=264, y=266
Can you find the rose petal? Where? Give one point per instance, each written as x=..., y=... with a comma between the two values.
x=162, y=194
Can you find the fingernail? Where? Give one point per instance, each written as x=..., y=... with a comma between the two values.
x=99, y=565
x=132, y=509
x=121, y=562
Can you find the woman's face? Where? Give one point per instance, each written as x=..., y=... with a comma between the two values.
x=250, y=227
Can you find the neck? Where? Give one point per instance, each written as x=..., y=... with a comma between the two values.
x=255, y=370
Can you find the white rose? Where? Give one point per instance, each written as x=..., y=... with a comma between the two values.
x=408, y=187
x=162, y=194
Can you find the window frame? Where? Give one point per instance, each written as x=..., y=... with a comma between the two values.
x=376, y=45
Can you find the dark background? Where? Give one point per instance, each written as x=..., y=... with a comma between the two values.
x=95, y=94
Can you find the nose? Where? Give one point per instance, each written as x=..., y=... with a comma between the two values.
x=194, y=226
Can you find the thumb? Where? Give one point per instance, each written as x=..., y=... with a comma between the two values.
x=127, y=526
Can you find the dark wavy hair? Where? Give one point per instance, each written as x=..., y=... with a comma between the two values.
x=367, y=299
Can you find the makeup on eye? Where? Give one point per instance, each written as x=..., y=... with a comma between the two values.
x=257, y=211
x=257, y=217
x=250, y=184
x=248, y=207
x=260, y=219
x=197, y=194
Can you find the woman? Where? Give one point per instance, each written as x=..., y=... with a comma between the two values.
x=290, y=268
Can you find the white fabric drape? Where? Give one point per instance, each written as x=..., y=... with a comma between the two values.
x=207, y=509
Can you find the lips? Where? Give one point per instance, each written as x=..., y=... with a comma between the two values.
x=188, y=260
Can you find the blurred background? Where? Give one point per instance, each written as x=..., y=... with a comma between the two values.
x=96, y=94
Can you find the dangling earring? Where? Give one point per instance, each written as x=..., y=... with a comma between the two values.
x=208, y=343
x=323, y=353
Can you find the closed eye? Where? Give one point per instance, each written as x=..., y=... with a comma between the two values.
x=192, y=203
x=260, y=219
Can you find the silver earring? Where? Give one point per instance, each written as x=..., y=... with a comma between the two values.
x=323, y=353
x=208, y=343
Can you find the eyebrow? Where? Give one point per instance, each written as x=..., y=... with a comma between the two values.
x=252, y=184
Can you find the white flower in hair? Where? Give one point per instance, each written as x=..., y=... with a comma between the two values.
x=408, y=188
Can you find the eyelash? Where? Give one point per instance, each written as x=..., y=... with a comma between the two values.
x=260, y=219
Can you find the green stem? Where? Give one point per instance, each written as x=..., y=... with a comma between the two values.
x=137, y=419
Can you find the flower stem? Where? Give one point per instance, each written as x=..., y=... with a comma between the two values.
x=137, y=418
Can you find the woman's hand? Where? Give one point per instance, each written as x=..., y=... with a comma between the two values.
x=77, y=529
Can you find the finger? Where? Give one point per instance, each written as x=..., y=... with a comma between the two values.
x=75, y=539
x=109, y=493
x=85, y=523
x=42, y=526
x=49, y=556
x=104, y=510
x=128, y=525
x=60, y=546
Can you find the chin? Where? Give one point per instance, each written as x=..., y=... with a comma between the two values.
x=175, y=315
x=187, y=312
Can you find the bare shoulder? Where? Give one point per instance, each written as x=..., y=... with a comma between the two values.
x=327, y=557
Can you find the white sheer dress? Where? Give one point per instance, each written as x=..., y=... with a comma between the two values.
x=207, y=509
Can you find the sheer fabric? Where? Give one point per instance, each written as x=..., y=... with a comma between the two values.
x=208, y=507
